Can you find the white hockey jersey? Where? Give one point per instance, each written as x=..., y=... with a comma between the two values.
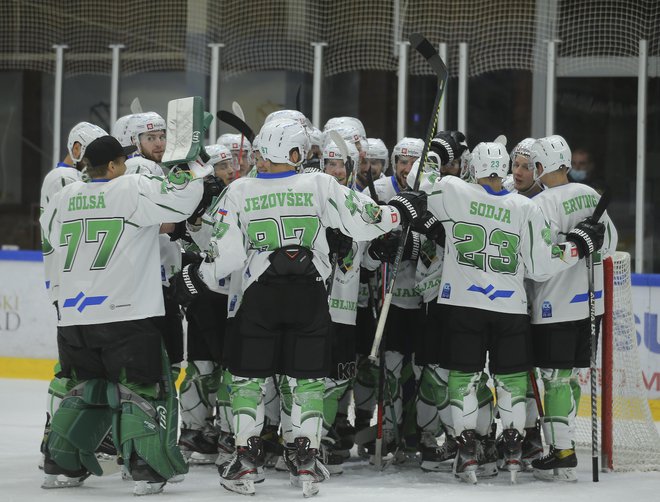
x=255, y=216
x=55, y=180
x=105, y=240
x=428, y=274
x=404, y=294
x=494, y=240
x=565, y=297
x=343, y=299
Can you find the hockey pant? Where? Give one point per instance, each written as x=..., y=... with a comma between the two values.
x=562, y=393
x=302, y=408
x=433, y=410
x=471, y=402
x=198, y=394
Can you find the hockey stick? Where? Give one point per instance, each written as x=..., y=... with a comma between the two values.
x=598, y=212
x=424, y=47
x=537, y=393
x=237, y=123
x=136, y=106
x=238, y=111
x=298, y=104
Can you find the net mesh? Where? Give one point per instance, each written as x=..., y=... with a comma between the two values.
x=636, y=443
x=361, y=34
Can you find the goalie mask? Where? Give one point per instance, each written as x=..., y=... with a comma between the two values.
x=279, y=137
x=140, y=123
x=552, y=153
x=488, y=159
x=410, y=147
x=83, y=133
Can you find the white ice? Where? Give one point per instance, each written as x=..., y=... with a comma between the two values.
x=21, y=428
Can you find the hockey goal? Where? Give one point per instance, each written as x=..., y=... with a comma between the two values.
x=629, y=439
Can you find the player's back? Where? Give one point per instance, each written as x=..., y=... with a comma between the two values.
x=55, y=180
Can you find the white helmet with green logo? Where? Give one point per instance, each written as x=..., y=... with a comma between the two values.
x=489, y=159
x=552, y=153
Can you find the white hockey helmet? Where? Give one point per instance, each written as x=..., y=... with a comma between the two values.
x=233, y=142
x=350, y=135
x=376, y=149
x=411, y=147
x=120, y=130
x=523, y=149
x=144, y=122
x=488, y=159
x=278, y=137
x=337, y=122
x=289, y=114
x=217, y=153
x=551, y=152
x=83, y=133
x=315, y=136
x=331, y=152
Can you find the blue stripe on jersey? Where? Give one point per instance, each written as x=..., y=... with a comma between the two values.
x=270, y=176
x=99, y=180
x=584, y=297
x=490, y=190
x=395, y=184
x=21, y=255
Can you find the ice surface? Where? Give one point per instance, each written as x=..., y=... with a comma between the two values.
x=21, y=427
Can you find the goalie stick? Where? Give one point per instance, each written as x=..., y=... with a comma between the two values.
x=237, y=123
x=424, y=47
x=598, y=212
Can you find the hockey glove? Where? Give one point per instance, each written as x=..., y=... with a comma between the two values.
x=338, y=243
x=366, y=274
x=186, y=285
x=449, y=145
x=312, y=166
x=384, y=247
x=431, y=227
x=180, y=232
x=588, y=236
x=212, y=188
x=412, y=247
x=410, y=204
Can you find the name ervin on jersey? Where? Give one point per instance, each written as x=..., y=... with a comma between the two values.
x=579, y=202
x=281, y=199
x=80, y=202
x=490, y=211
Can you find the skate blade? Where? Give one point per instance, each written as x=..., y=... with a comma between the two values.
x=60, y=481
x=294, y=480
x=469, y=477
x=430, y=466
x=147, y=488
x=566, y=474
x=177, y=478
x=514, y=477
x=488, y=470
x=335, y=470
x=309, y=488
x=244, y=487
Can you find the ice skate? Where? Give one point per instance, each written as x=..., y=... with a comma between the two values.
x=557, y=465
x=512, y=453
x=487, y=456
x=344, y=435
x=332, y=460
x=532, y=447
x=272, y=445
x=148, y=487
x=465, y=463
x=199, y=446
x=56, y=477
x=244, y=469
x=226, y=447
x=430, y=452
x=311, y=470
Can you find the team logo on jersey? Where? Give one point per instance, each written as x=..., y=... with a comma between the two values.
x=496, y=293
x=546, y=310
x=88, y=301
x=446, y=290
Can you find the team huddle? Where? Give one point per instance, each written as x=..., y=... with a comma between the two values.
x=277, y=251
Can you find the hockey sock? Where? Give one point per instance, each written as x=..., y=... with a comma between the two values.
x=345, y=399
x=307, y=408
x=272, y=402
x=464, y=400
x=577, y=390
x=441, y=379
x=428, y=418
x=393, y=365
x=485, y=415
x=334, y=391
x=364, y=388
x=286, y=402
x=559, y=408
x=199, y=383
x=511, y=392
x=248, y=407
x=530, y=404
x=223, y=400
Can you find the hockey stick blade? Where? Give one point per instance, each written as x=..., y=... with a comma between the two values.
x=428, y=52
x=238, y=111
x=238, y=124
x=601, y=207
x=339, y=141
x=136, y=107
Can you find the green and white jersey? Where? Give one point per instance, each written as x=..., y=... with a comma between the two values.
x=404, y=294
x=255, y=216
x=428, y=275
x=343, y=299
x=494, y=240
x=105, y=241
x=61, y=176
x=565, y=297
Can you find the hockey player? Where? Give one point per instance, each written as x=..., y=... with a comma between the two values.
x=107, y=287
x=493, y=240
x=240, y=148
x=272, y=227
x=560, y=311
x=65, y=173
x=524, y=180
x=147, y=133
x=376, y=160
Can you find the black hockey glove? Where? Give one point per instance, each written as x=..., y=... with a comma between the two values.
x=365, y=275
x=410, y=204
x=186, y=285
x=384, y=247
x=180, y=232
x=588, y=236
x=412, y=247
x=189, y=257
x=312, y=166
x=338, y=243
x=431, y=227
x=449, y=145
x=212, y=188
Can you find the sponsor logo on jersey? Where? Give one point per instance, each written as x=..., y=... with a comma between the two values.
x=496, y=293
x=546, y=310
x=88, y=301
x=232, y=303
x=446, y=290
x=395, y=217
x=490, y=211
x=281, y=199
x=339, y=304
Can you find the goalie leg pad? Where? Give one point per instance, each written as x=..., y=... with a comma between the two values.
x=79, y=425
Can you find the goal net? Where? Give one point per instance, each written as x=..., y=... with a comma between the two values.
x=628, y=437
